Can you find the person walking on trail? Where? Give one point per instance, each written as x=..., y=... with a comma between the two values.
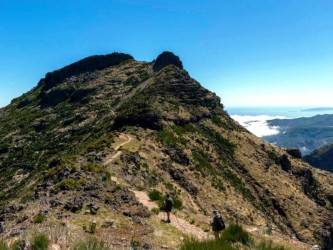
x=168, y=206
x=217, y=224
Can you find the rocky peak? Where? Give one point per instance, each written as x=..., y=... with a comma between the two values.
x=88, y=64
x=165, y=59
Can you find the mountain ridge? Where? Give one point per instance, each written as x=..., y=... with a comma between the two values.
x=57, y=142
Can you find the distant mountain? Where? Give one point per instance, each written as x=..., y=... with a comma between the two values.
x=321, y=158
x=319, y=109
x=94, y=147
x=306, y=134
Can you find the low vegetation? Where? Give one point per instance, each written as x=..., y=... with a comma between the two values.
x=40, y=242
x=156, y=195
x=91, y=244
x=233, y=238
x=39, y=218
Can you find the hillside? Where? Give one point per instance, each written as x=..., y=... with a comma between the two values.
x=306, y=134
x=321, y=158
x=92, y=140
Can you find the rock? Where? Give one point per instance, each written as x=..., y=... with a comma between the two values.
x=147, y=246
x=285, y=163
x=93, y=209
x=164, y=247
x=55, y=203
x=22, y=218
x=127, y=213
x=136, y=220
x=294, y=152
x=107, y=224
x=165, y=59
x=75, y=204
x=2, y=227
x=15, y=232
x=178, y=156
x=88, y=64
x=179, y=176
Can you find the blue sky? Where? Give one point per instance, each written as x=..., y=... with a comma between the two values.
x=250, y=52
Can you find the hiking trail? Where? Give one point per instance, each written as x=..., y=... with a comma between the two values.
x=179, y=223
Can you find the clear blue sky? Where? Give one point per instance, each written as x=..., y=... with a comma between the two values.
x=250, y=52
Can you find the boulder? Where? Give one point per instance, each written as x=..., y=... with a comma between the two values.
x=285, y=163
x=294, y=152
x=93, y=209
x=74, y=204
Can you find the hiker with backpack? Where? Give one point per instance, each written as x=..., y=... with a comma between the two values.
x=217, y=224
x=168, y=206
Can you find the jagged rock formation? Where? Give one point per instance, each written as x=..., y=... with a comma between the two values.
x=165, y=59
x=60, y=155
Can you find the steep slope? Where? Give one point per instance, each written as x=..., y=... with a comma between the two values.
x=321, y=158
x=65, y=153
x=306, y=134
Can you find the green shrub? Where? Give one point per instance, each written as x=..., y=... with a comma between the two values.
x=218, y=121
x=18, y=245
x=3, y=245
x=90, y=167
x=155, y=195
x=155, y=210
x=238, y=184
x=166, y=138
x=91, y=244
x=194, y=244
x=273, y=156
x=181, y=130
x=202, y=162
x=40, y=242
x=39, y=218
x=68, y=184
x=268, y=245
x=235, y=233
x=92, y=227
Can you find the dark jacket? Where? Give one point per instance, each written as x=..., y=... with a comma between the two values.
x=168, y=204
x=218, y=223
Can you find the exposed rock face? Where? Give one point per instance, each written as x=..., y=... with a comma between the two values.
x=88, y=64
x=165, y=59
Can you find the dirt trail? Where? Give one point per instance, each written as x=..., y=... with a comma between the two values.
x=109, y=159
x=179, y=223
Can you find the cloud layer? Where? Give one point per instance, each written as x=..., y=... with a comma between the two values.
x=258, y=124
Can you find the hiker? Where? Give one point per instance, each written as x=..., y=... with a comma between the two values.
x=217, y=224
x=168, y=206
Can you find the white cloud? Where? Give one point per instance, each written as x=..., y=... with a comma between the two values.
x=258, y=124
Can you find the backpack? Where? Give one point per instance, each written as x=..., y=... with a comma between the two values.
x=218, y=223
x=222, y=225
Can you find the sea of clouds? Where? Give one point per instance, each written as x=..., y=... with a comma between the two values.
x=257, y=124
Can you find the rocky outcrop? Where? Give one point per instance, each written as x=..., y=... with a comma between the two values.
x=294, y=152
x=165, y=59
x=88, y=64
x=285, y=163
